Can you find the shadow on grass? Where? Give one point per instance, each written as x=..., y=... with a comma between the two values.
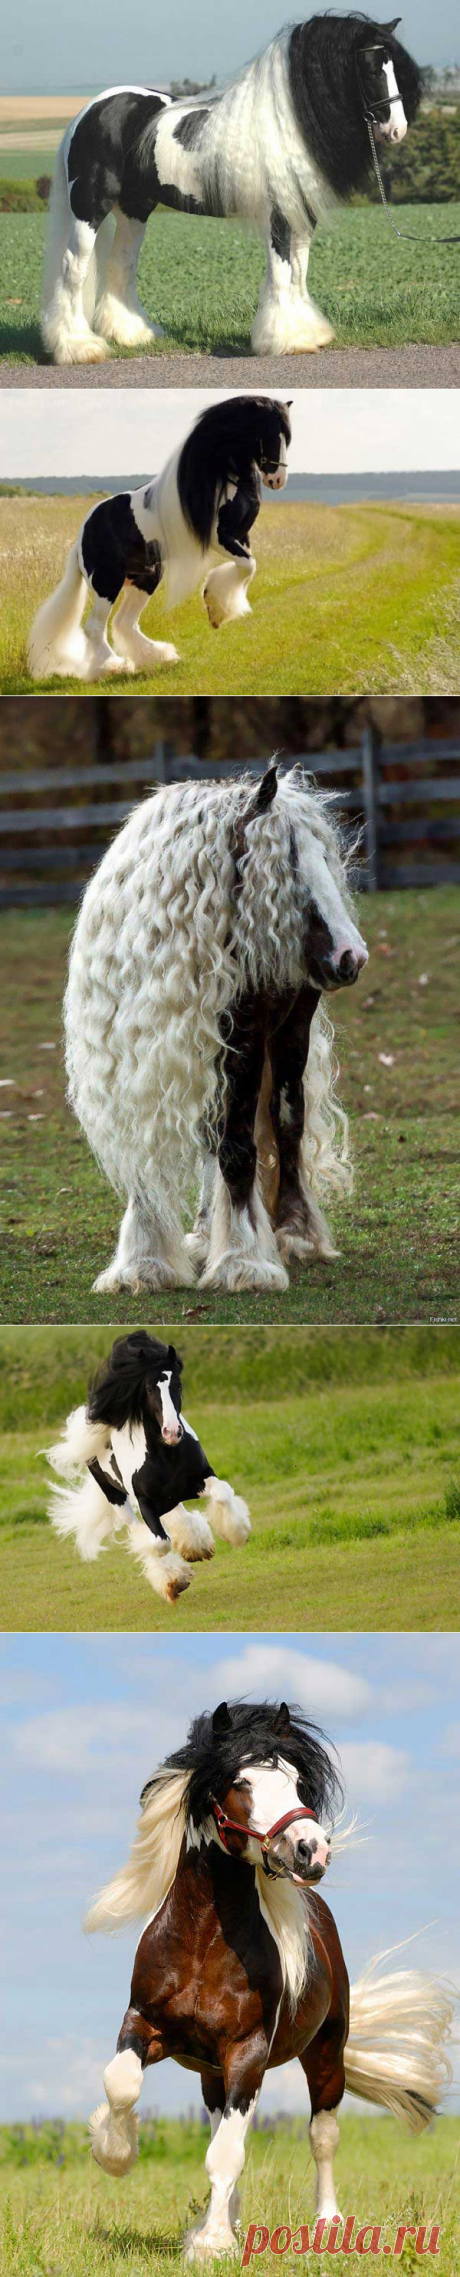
x=22, y=340
x=143, y=2242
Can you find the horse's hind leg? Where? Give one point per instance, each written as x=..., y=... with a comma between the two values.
x=150, y=1253
x=140, y=654
x=243, y=1252
x=65, y=326
x=301, y=1228
x=119, y=314
x=102, y=660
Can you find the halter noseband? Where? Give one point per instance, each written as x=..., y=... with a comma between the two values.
x=233, y=1826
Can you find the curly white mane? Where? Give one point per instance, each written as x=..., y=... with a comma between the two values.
x=163, y=946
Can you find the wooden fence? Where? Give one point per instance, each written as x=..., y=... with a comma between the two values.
x=405, y=799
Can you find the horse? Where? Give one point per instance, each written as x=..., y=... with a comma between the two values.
x=278, y=148
x=140, y=1458
x=241, y=1967
x=206, y=500
x=206, y=939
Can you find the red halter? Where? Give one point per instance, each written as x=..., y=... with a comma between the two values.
x=232, y=1825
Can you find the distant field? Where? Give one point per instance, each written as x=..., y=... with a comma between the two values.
x=347, y=600
x=346, y=1447
x=61, y=2217
x=397, y=1236
x=201, y=278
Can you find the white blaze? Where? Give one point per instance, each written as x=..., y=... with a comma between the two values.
x=396, y=126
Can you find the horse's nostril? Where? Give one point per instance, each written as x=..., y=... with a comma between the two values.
x=347, y=965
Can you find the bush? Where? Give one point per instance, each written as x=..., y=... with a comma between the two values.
x=26, y=196
x=426, y=168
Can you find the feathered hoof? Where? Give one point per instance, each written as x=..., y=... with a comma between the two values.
x=86, y=349
x=159, y=1275
x=197, y=1245
x=214, y=611
x=209, y=2245
x=235, y=1272
x=292, y=1243
x=113, y=2139
x=177, y=1580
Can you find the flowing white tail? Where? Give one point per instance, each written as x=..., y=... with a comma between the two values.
x=395, y=2054
x=57, y=644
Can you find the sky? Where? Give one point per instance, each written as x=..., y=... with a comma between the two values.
x=52, y=49
x=346, y=430
x=85, y=1720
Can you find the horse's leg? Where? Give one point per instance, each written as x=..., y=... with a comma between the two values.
x=324, y=2069
x=301, y=1227
x=102, y=659
x=113, y=2127
x=150, y=1253
x=198, y=1241
x=65, y=327
x=225, y=593
x=229, y=1514
x=243, y=1252
x=140, y=654
x=190, y=1535
x=309, y=328
x=119, y=314
x=271, y=327
x=243, y=2072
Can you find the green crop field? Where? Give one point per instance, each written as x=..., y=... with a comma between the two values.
x=347, y=600
x=200, y=279
x=346, y=1446
x=60, y=2217
x=396, y=1235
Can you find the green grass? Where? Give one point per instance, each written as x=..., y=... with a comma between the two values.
x=397, y=1235
x=201, y=279
x=346, y=1447
x=61, y=2217
x=347, y=600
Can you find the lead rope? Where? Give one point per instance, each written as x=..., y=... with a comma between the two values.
x=413, y=234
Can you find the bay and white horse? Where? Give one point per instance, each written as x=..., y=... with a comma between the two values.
x=204, y=503
x=213, y=930
x=241, y=1967
x=278, y=148
x=139, y=1458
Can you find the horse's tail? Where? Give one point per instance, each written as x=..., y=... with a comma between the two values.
x=56, y=642
x=81, y=1510
x=395, y=2053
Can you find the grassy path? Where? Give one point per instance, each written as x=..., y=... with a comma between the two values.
x=201, y=279
x=348, y=599
x=397, y=1235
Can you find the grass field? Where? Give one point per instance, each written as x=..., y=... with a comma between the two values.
x=345, y=1445
x=348, y=600
x=201, y=279
x=397, y=1235
x=61, y=2217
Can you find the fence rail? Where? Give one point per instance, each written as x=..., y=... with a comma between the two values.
x=386, y=785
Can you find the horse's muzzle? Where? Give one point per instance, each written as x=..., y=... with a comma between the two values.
x=171, y=1438
x=333, y=972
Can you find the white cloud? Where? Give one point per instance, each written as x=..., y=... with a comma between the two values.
x=79, y=1739
x=322, y=1687
x=374, y=1771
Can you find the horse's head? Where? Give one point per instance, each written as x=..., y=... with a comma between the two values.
x=264, y=1815
x=164, y=1398
x=333, y=951
x=388, y=81
x=272, y=441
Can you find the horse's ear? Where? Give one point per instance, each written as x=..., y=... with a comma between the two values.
x=393, y=26
x=290, y=400
x=174, y=1359
x=267, y=789
x=221, y=1719
x=282, y=1723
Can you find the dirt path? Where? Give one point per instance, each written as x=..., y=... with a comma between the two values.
x=428, y=365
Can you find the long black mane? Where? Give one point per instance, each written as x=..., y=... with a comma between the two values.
x=118, y=1393
x=217, y=1750
x=326, y=95
x=227, y=436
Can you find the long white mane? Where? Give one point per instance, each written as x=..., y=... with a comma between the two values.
x=138, y=1891
x=249, y=155
x=161, y=950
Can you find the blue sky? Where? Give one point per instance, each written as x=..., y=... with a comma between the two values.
x=54, y=48
x=84, y=1722
x=343, y=431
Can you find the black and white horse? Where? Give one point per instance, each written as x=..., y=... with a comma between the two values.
x=241, y=1968
x=205, y=501
x=140, y=1457
x=214, y=928
x=278, y=148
